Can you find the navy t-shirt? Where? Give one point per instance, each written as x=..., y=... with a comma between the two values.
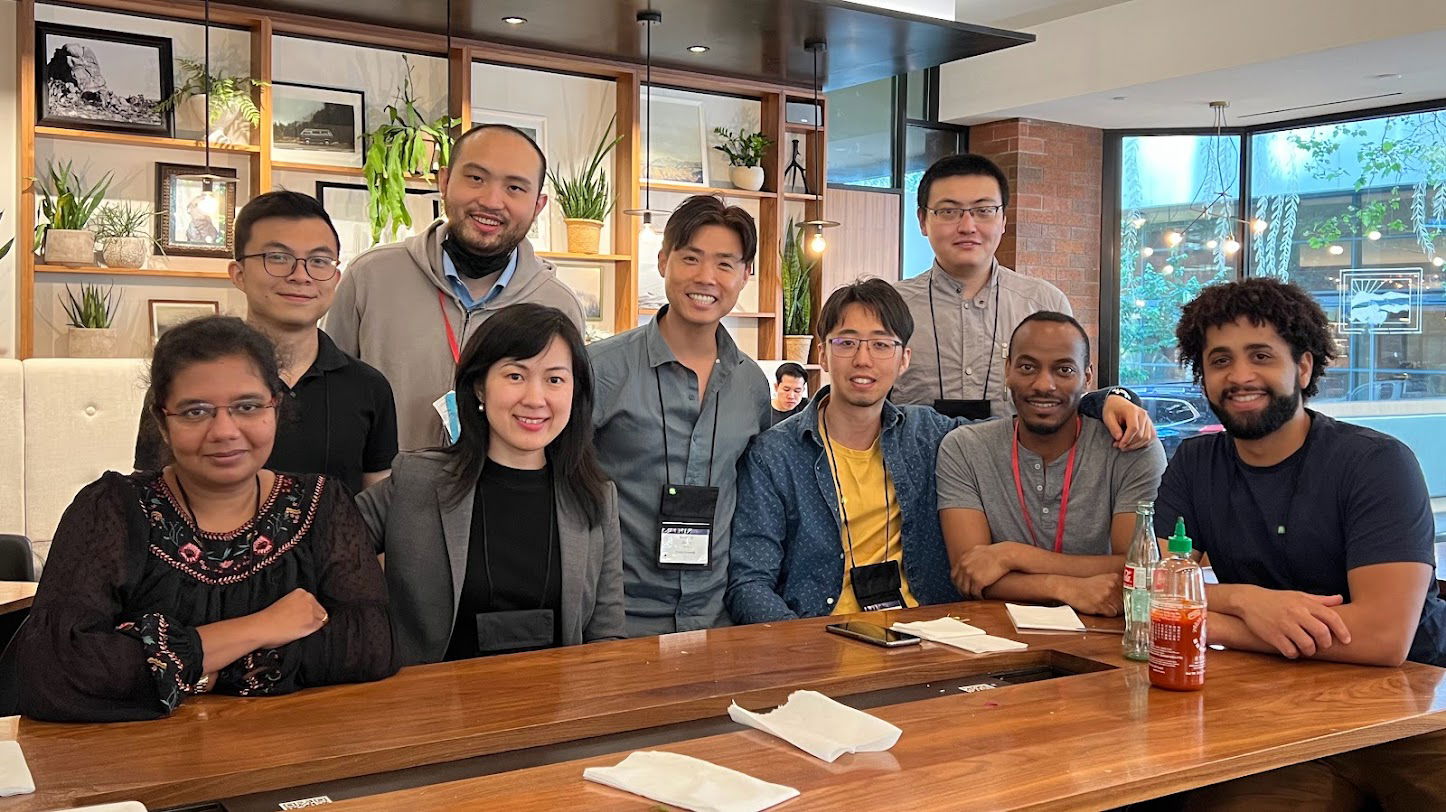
x=1350, y=497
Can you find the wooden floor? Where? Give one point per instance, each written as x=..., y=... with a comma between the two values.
x=1089, y=740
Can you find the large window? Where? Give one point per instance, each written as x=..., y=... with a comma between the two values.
x=861, y=134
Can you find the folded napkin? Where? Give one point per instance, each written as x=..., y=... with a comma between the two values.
x=119, y=806
x=1046, y=618
x=14, y=772
x=820, y=726
x=691, y=783
x=954, y=632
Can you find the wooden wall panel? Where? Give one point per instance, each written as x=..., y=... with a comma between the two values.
x=867, y=242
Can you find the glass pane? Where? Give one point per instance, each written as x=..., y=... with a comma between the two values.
x=922, y=147
x=1179, y=231
x=861, y=134
x=1356, y=214
x=914, y=103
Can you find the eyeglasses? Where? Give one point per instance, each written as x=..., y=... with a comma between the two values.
x=980, y=214
x=245, y=411
x=882, y=349
x=280, y=263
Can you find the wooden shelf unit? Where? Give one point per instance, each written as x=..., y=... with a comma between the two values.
x=627, y=156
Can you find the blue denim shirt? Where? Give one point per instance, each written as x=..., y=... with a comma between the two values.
x=787, y=561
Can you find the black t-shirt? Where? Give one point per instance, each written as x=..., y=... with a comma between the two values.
x=513, y=560
x=779, y=417
x=340, y=421
x=1350, y=497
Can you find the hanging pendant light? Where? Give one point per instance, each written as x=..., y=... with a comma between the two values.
x=649, y=237
x=207, y=202
x=1257, y=226
x=817, y=244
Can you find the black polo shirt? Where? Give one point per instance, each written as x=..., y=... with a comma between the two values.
x=1350, y=497
x=340, y=420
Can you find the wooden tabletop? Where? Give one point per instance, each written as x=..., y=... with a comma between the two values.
x=16, y=595
x=1093, y=739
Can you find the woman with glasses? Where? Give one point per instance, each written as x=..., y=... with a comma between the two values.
x=213, y=573
x=507, y=539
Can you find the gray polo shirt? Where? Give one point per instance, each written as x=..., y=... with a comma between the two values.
x=975, y=471
x=630, y=420
x=970, y=347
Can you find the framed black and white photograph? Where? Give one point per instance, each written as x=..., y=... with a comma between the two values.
x=167, y=313
x=347, y=204
x=90, y=79
x=317, y=125
x=193, y=220
x=587, y=282
x=536, y=128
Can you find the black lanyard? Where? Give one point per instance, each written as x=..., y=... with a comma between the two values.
x=712, y=444
x=993, y=334
x=838, y=485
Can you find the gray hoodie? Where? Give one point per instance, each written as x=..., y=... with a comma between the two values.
x=387, y=314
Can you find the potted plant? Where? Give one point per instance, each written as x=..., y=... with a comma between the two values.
x=405, y=146
x=796, y=271
x=585, y=198
x=745, y=153
x=91, y=334
x=233, y=111
x=67, y=207
x=121, y=228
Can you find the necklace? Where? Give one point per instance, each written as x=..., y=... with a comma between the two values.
x=186, y=499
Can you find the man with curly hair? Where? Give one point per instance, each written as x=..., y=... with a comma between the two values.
x=1320, y=533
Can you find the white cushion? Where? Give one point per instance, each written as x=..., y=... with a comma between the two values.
x=12, y=447
x=80, y=421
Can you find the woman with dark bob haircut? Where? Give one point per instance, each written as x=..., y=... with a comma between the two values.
x=211, y=574
x=507, y=540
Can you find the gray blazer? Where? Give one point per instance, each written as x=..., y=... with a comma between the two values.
x=425, y=541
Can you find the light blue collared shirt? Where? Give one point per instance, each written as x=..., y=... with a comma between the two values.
x=460, y=288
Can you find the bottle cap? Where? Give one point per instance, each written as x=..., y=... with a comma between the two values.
x=1180, y=543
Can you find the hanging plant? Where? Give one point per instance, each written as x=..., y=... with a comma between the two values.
x=229, y=98
x=406, y=146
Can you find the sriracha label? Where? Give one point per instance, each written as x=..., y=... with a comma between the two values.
x=1177, y=647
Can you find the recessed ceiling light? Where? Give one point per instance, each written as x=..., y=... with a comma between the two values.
x=698, y=49
x=514, y=20
x=1118, y=98
x=1385, y=77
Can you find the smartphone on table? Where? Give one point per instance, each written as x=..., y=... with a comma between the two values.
x=873, y=633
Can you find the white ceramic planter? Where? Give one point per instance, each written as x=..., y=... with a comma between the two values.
x=746, y=177
x=125, y=252
x=65, y=246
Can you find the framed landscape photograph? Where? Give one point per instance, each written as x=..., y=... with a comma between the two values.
x=194, y=221
x=89, y=79
x=536, y=128
x=167, y=313
x=587, y=282
x=347, y=205
x=680, y=150
x=317, y=125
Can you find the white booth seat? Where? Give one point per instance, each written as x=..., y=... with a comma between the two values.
x=12, y=447
x=80, y=418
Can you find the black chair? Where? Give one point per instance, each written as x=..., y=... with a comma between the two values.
x=17, y=560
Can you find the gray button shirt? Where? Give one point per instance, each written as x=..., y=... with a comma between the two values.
x=975, y=471
x=630, y=421
x=972, y=336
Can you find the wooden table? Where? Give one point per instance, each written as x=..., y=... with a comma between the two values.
x=16, y=595
x=1090, y=740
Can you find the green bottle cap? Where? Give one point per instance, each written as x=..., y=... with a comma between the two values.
x=1180, y=543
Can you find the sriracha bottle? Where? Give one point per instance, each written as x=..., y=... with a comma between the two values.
x=1177, y=618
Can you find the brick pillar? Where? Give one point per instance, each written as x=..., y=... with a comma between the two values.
x=1054, y=174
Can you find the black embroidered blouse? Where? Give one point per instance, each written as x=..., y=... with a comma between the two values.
x=112, y=633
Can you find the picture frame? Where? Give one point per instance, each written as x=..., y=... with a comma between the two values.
x=586, y=280
x=313, y=124
x=92, y=79
x=191, y=220
x=679, y=143
x=167, y=313
x=536, y=128
x=346, y=203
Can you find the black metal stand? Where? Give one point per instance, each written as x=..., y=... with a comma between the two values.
x=795, y=167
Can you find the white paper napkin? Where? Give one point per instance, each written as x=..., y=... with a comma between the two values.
x=985, y=643
x=1048, y=618
x=691, y=783
x=14, y=772
x=954, y=632
x=119, y=806
x=821, y=727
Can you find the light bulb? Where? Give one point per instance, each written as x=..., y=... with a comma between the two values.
x=817, y=244
x=1258, y=225
x=1210, y=244
x=1232, y=245
x=1147, y=251
x=1438, y=261
x=1167, y=270
x=1336, y=250
x=1138, y=222
x=1373, y=235
x=1139, y=303
x=1173, y=238
x=650, y=240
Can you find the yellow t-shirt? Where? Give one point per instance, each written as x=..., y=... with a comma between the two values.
x=862, y=481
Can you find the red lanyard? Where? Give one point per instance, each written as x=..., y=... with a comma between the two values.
x=1064, y=494
x=447, y=323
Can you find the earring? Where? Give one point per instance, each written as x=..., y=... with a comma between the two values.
x=481, y=407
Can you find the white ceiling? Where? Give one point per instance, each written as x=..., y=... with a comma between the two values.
x=1331, y=81
x=1022, y=13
